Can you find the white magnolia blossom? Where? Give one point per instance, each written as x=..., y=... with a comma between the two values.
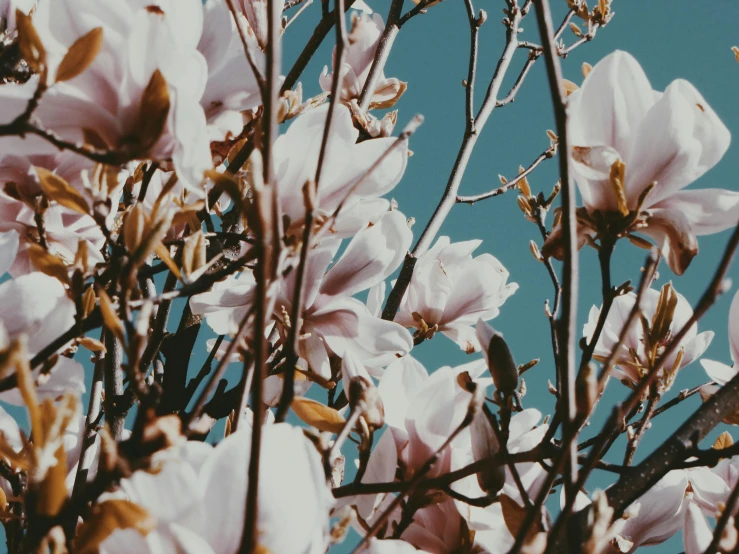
x=103, y=105
x=348, y=177
x=450, y=290
x=633, y=360
x=358, y=57
x=198, y=497
x=64, y=228
x=668, y=139
x=719, y=372
x=36, y=306
x=491, y=532
x=333, y=321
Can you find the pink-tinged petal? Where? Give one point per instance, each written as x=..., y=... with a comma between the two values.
x=709, y=489
x=37, y=305
x=10, y=431
x=191, y=156
x=708, y=129
x=296, y=156
x=225, y=305
x=480, y=289
x=313, y=350
x=9, y=241
x=612, y=101
x=432, y=288
x=697, y=535
x=345, y=323
x=592, y=165
x=356, y=214
x=216, y=36
x=709, y=211
x=718, y=372
x=376, y=298
x=430, y=416
x=372, y=255
x=660, y=511
x=463, y=335
x=400, y=382
x=351, y=368
x=167, y=494
x=695, y=347
x=521, y=424
x=380, y=469
x=673, y=143
x=671, y=231
x=391, y=160
x=734, y=328
x=319, y=258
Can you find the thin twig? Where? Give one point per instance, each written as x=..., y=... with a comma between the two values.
x=509, y=185
x=381, y=54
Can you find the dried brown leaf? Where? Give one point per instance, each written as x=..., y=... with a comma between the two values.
x=153, y=112
x=110, y=317
x=724, y=440
x=108, y=516
x=31, y=48
x=93, y=345
x=48, y=263
x=318, y=415
x=80, y=55
x=58, y=189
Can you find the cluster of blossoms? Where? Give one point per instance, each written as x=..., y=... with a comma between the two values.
x=140, y=138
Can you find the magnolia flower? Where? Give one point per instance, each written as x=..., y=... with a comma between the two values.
x=347, y=177
x=198, y=497
x=450, y=290
x=64, y=228
x=140, y=95
x=358, y=57
x=678, y=501
x=667, y=312
x=491, y=532
x=36, y=306
x=635, y=149
x=232, y=87
x=333, y=321
x=722, y=373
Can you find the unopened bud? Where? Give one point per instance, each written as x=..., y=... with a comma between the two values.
x=535, y=251
x=361, y=392
x=586, y=391
x=576, y=30
x=364, y=393
x=485, y=446
x=481, y=18
x=498, y=356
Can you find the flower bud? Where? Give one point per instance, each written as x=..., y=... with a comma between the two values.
x=361, y=392
x=498, y=357
x=586, y=391
x=485, y=446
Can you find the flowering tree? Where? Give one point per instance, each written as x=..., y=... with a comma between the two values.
x=159, y=155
